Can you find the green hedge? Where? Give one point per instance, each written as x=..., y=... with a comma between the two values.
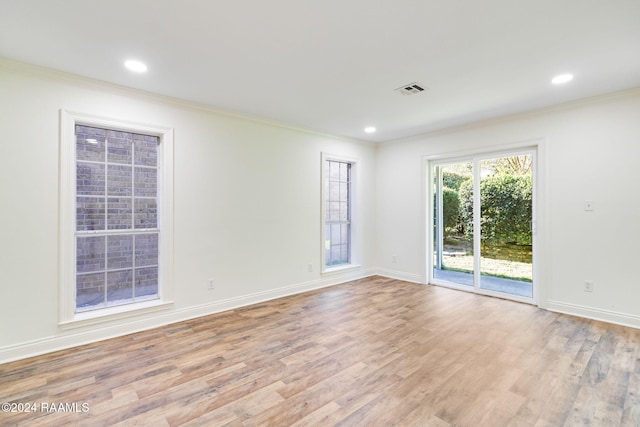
x=505, y=214
x=450, y=210
x=453, y=180
x=451, y=203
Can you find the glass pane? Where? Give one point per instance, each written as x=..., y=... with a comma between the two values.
x=333, y=240
x=334, y=211
x=146, y=250
x=336, y=235
x=146, y=213
x=145, y=150
x=334, y=191
x=453, y=224
x=90, y=179
x=338, y=250
x=90, y=213
x=90, y=144
x=506, y=261
x=119, y=213
x=89, y=291
x=119, y=147
x=119, y=252
x=335, y=255
x=344, y=172
x=344, y=191
x=334, y=171
x=146, y=282
x=146, y=182
x=344, y=211
x=345, y=231
x=344, y=254
x=119, y=180
x=90, y=254
x=119, y=286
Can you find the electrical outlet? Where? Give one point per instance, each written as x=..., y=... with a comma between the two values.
x=588, y=205
x=210, y=285
x=310, y=268
x=588, y=286
x=394, y=259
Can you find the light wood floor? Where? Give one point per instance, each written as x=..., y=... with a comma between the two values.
x=373, y=352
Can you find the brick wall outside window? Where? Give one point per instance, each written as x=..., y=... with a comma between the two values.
x=117, y=232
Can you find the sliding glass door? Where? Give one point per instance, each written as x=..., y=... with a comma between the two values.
x=483, y=224
x=453, y=237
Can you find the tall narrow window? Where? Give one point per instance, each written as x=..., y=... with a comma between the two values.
x=337, y=212
x=116, y=224
x=117, y=229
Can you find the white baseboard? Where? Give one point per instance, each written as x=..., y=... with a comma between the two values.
x=93, y=333
x=400, y=275
x=608, y=316
x=74, y=338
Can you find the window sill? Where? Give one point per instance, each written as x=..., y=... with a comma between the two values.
x=339, y=269
x=105, y=315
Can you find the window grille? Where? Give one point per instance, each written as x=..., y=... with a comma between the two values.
x=337, y=183
x=116, y=218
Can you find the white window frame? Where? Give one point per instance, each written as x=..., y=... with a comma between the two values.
x=68, y=318
x=353, y=256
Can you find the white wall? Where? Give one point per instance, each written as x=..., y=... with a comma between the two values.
x=246, y=211
x=591, y=151
x=247, y=204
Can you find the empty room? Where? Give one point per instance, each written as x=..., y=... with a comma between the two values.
x=355, y=213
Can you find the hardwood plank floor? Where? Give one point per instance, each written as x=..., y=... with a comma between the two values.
x=373, y=352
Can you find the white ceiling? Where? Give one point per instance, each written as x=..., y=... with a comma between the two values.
x=333, y=65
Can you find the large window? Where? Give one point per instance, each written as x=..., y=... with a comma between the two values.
x=115, y=217
x=337, y=200
x=117, y=230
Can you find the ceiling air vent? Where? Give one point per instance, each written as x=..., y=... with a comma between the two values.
x=411, y=88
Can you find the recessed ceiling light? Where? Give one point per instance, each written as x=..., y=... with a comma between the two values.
x=135, y=66
x=370, y=129
x=561, y=79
